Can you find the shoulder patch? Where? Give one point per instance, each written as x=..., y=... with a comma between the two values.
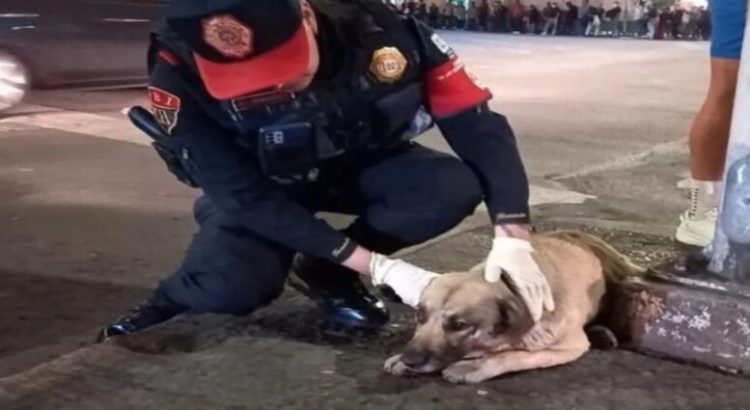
x=166, y=108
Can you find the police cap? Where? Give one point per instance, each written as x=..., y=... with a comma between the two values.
x=242, y=46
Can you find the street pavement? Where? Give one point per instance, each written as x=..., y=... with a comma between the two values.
x=90, y=221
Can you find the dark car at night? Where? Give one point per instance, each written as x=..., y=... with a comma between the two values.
x=73, y=43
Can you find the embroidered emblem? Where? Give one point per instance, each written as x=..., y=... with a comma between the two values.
x=228, y=36
x=166, y=108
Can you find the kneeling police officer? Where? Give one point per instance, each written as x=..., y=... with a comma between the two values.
x=278, y=109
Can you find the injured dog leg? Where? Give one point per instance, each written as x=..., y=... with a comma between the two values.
x=475, y=371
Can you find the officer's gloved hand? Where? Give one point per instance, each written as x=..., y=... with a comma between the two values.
x=407, y=280
x=513, y=257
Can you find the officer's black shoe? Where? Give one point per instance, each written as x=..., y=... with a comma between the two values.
x=150, y=312
x=338, y=291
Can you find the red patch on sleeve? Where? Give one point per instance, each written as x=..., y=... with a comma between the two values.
x=451, y=89
x=162, y=99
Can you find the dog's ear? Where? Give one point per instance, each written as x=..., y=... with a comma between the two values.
x=512, y=318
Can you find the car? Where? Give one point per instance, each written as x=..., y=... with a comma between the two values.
x=72, y=43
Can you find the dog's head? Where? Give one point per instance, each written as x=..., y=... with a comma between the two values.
x=461, y=316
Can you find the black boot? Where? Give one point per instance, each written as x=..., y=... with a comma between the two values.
x=339, y=292
x=150, y=312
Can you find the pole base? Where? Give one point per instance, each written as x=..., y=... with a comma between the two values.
x=682, y=313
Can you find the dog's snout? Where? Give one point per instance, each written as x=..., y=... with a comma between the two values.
x=414, y=357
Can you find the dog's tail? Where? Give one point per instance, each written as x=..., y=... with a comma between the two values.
x=616, y=266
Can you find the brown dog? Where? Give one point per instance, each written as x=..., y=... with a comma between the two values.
x=472, y=330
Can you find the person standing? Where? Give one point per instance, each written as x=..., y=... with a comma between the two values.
x=501, y=17
x=583, y=18
x=422, y=11
x=613, y=17
x=709, y=134
x=678, y=16
x=517, y=14
x=535, y=19
x=595, y=23
x=552, y=17
x=570, y=19
x=484, y=15
x=433, y=16
x=459, y=14
x=639, y=18
x=449, y=21
x=652, y=20
x=472, y=16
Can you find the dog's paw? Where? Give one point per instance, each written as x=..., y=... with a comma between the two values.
x=396, y=367
x=465, y=372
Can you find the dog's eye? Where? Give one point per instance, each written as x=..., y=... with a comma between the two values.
x=455, y=325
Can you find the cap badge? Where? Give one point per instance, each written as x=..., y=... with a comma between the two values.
x=228, y=36
x=388, y=64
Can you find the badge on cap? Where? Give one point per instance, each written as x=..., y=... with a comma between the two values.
x=388, y=64
x=228, y=36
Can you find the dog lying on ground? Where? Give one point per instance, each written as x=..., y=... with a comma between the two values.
x=473, y=330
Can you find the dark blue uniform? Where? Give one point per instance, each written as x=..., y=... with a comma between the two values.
x=268, y=162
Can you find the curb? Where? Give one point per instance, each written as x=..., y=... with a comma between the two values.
x=708, y=326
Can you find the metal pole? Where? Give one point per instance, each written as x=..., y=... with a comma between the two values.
x=730, y=251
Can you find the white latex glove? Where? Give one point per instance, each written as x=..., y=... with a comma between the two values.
x=407, y=280
x=512, y=257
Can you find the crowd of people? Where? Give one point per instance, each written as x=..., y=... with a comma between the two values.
x=642, y=19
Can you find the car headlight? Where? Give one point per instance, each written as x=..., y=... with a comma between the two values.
x=14, y=80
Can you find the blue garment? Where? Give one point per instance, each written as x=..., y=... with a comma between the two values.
x=728, y=19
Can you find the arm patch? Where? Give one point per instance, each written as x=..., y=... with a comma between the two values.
x=451, y=89
x=166, y=108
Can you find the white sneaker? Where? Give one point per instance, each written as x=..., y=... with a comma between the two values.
x=685, y=183
x=697, y=230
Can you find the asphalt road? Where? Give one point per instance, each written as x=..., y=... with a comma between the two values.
x=90, y=220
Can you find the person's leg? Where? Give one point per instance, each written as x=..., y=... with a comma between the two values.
x=412, y=197
x=709, y=134
x=710, y=130
x=226, y=269
x=402, y=198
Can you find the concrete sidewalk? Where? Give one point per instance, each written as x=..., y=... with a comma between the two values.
x=280, y=358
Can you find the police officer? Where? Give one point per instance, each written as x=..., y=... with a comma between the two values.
x=278, y=109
